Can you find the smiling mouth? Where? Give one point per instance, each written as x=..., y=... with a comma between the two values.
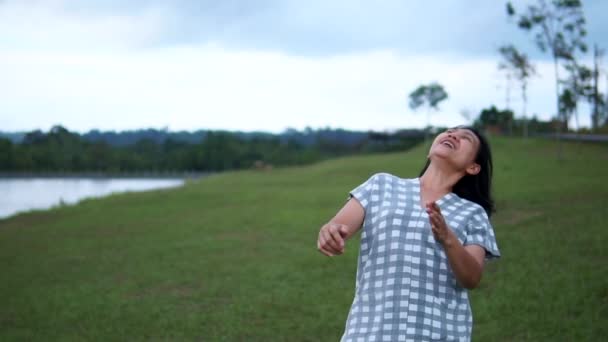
x=448, y=144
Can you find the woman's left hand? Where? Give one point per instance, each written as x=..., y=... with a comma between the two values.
x=443, y=234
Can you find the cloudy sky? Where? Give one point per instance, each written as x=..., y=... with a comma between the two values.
x=259, y=65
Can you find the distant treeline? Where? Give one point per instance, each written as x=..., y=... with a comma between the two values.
x=60, y=150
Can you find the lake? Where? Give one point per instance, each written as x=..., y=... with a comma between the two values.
x=23, y=194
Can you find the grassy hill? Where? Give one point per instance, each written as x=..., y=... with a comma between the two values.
x=233, y=257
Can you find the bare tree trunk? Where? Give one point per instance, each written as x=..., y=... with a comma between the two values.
x=606, y=102
x=559, y=115
x=596, y=106
x=525, y=102
x=508, y=92
x=508, y=102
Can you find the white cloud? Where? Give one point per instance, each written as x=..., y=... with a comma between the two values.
x=47, y=25
x=92, y=70
x=210, y=87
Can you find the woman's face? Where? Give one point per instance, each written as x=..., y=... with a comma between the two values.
x=459, y=147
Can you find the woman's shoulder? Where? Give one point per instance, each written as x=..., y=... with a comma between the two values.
x=470, y=208
x=385, y=176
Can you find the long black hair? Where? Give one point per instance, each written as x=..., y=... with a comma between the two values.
x=476, y=188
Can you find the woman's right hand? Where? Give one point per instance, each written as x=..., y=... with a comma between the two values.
x=332, y=237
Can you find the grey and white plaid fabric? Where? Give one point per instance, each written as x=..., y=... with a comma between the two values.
x=405, y=290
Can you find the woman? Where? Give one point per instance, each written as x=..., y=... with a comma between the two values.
x=423, y=244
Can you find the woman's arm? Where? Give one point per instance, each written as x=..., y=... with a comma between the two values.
x=466, y=262
x=346, y=223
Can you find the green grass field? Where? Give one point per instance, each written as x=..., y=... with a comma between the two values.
x=233, y=257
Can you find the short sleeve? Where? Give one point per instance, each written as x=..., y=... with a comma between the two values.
x=480, y=232
x=363, y=192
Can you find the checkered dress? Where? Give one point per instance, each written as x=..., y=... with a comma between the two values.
x=405, y=290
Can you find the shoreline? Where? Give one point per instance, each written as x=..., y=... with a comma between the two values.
x=105, y=175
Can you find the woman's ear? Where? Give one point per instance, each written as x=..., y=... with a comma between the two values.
x=473, y=169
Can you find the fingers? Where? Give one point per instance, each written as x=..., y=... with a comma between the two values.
x=338, y=241
x=436, y=207
x=330, y=241
x=430, y=208
x=321, y=249
x=435, y=219
x=434, y=212
x=434, y=226
x=433, y=207
x=439, y=227
x=332, y=245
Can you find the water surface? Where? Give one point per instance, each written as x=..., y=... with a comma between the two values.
x=23, y=194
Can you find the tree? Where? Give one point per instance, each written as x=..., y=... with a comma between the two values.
x=568, y=102
x=6, y=154
x=597, y=99
x=518, y=65
x=493, y=119
x=559, y=28
x=505, y=67
x=430, y=95
x=576, y=86
x=604, y=112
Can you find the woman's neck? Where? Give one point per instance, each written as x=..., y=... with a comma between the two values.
x=438, y=180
